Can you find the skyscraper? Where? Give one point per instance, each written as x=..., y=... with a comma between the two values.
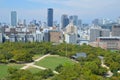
x=24, y=22
x=64, y=21
x=50, y=17
x=96, y=21
x=13, y=18
x=79, y=23
x=74, y=19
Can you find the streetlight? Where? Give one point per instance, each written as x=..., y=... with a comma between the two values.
x=66, y=49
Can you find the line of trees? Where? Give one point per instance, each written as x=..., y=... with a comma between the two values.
x=87, y=69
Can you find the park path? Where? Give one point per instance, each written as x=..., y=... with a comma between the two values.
x=42, y=68
x=32, y=64
x=109, y=73
x=42, y=57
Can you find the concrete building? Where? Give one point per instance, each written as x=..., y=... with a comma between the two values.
x=20, y=38
x=46, y=37
x=71, y=38
x=116, y=30
x=39, y=36
x=29, y=38
x=98, y=32
x=71, y=28
x=112, y=43
x=83, y=41
x=32, y=28
x=12, y=38
x=56, y=36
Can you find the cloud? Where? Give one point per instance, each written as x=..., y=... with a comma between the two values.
x=78, y=3
x=81, y=6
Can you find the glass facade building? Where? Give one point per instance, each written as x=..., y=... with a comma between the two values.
x=50, y=17
x=13, y=18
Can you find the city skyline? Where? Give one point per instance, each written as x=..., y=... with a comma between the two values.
x=87, y=10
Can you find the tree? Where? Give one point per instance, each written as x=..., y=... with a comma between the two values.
x=23, y=56
x=59, y=68
x=44, y=74
x=12, y=70
x=2, y=58
x=20, y=75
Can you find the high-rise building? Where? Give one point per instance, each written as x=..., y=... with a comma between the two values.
x=71, y=28
x=24, y=22
x=79, y=23
x=13, y=18
x=95, y=22
x=50, y=17
x=74, y=19
x=116, y=30
x=64, y=21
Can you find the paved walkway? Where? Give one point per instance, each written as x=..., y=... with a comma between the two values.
x=42, y=57
x=39, y=67
x=27, y=65
x=109, y=73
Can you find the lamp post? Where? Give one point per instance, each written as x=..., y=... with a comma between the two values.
x=66, y=49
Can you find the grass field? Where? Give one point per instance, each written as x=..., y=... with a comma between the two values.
x=33, y=70
x=53, y=61
x=48, y=62
x=4, y=68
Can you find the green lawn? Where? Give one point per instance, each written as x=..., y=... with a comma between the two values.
x=3, y=71
x=53, y=61
x=33, y=70
x=4, y=68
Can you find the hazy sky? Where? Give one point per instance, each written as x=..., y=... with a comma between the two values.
x=37, y=9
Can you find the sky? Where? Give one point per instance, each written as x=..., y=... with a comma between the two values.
x=87, y=10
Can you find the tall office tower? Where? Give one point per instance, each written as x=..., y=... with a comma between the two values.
x=95, y=22
x=50, y=17
x=19, y=22
x=13, y=18
x=24, y=22
x=116, y=30
x=64, y=21
x=79, y=23
x=74, y=19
